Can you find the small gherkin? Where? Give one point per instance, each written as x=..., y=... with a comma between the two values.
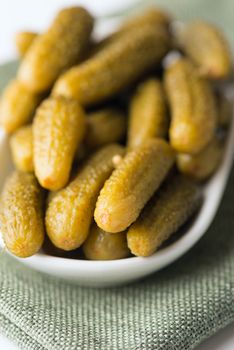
x=17, y=106
x=21, y=214
x=70, y=211
x=148, y=115
x=23, y=41
x=104, y=75
x=105, y=126
x=193, y=107
x=21, y=144
x=154, y=16
x=207, y=47
x=58, y=130
x=63, y=45
x=168, y=209
x=131, y=185
x=102, y=245
x=202, y=165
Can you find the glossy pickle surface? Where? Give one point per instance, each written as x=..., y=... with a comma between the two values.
x=147, y=113
x=171, y=207
x=21, y=214
x=58, y=130
x=70, y=211
x=104, y=75
x=132, y=184
x=21, y=144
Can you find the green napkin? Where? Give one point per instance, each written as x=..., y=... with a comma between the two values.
x=174, y=309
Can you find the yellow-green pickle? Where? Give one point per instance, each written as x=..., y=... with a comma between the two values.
x=23, y=41
x=206, y=45
x=58, y=130
x=101, y=245
x=63, y=45
x=21, y=144
x=105, y=126
x=21, y=214
x=132, y=184
x=154, y=16
x=170, y=208
x=192, y=105
x=202, y=165
x=116, y=66
x=17, y=106
x=148, y=115
x=70, y=211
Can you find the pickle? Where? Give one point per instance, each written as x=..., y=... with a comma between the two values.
x=169, y=209
x=21, y=143
x=193, y=108
x=58, y=130
x=105, y=126
x=202, y=165
x=154, y=16
x=206, y=45
x=70, y=211
x=23, y=41
x=104, y=74
x=17, y=106
x=49, y=249
x=101, y=245
x=148, y=116
x=224, y=111
x=59, y=48
x=132, y=184
x=21, y=214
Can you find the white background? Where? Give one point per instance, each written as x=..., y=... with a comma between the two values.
x=35, y=15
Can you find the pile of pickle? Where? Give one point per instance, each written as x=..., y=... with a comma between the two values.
x=111, y=141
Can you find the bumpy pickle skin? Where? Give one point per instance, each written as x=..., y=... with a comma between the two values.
x=58, y=130
x=148, y=115
x=21, y=144
x=105, y=126
x=169, y=209
x=59, y=48
x=202, y=165
x=21, y=214
x=206, y=45
x=131, y=185
x=104, y=75
x=101, y=245
x=17, y=106
x=70, y=211
x=23, y=41
x=192, y=105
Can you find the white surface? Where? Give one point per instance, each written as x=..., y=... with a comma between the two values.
x=27, y=14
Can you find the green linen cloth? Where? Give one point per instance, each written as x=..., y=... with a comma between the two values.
x=174, y=309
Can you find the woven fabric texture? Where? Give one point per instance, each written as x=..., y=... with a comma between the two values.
x=174, y=309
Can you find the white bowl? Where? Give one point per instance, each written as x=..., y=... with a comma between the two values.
x=115, y=272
